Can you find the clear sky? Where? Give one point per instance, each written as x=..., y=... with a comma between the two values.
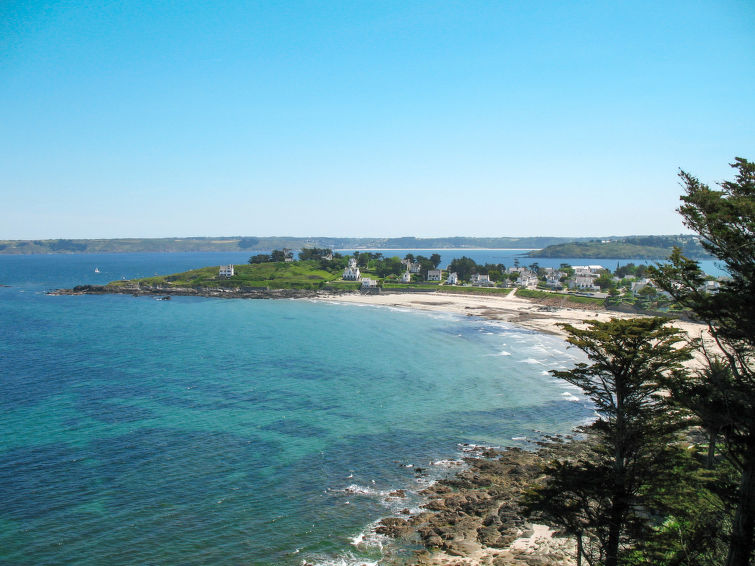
x=363, y=118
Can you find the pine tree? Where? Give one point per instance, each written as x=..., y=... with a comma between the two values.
x=629, y=359
x=725, y=221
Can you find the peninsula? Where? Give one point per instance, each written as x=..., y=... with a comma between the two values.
x=322, y=278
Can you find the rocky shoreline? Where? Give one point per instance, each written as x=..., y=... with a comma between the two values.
x=140, y=289
x=476, y=517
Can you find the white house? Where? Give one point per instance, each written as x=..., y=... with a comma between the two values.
x=406, y=277
x=586, y=280
x=711, y=287
x=453, y=278
x=226, y=271
x=553, y=279
x=527, y=279
x=368, y=283
x=414, y=267
x=478, y=280
x=434, y=274
x=585, y=269
x=351, y=273
x=640, y=284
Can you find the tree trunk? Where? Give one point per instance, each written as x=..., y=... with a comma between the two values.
x=742, y=544
x=711, y=460
x=579, y=549
x=614, y=531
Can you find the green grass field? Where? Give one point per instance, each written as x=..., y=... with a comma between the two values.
x=534, y=294
x=280, y=275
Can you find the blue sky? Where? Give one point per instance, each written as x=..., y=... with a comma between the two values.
x=155, y=119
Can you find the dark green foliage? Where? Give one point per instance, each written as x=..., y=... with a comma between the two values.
x=260, y=258
x=628, y=360
x=314, y=253
x=638, y=271
x=387, y=266
x=725, y=220
x=246, y=243
x=464, y=267
x=605, y=281
x=691, y=511
x=67, y=246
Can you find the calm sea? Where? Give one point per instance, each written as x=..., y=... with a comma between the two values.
x=211, y=431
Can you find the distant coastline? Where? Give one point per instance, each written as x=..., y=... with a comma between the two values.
x=535, y=246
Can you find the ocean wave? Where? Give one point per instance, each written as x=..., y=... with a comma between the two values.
x=362, y=490
x=447, y=463
x=569, y=397
x=346, y=560
x=368, y=538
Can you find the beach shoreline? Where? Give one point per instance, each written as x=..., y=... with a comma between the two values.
x=524, y=312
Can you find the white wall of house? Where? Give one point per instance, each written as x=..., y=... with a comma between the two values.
x=351, y=274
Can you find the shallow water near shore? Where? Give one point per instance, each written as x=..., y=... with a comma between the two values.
x=238, y=431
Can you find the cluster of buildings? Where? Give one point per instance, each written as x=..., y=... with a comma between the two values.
x=584, y=278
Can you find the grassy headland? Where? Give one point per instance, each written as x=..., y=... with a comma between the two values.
x=306, y=275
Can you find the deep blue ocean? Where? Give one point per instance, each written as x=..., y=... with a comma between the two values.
x=233, y=431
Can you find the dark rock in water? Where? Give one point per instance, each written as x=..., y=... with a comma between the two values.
x=433, y=541
x=394, y=527
x=480, y=506
x=397, y=493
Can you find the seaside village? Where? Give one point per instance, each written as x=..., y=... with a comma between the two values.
x=374, y=272
x=592, y=280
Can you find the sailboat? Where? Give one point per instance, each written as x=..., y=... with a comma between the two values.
x=96, y=269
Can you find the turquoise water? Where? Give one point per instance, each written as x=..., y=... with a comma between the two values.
x=200, y=431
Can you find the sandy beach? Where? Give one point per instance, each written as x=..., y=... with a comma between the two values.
x=508, y=308
x=534, y=544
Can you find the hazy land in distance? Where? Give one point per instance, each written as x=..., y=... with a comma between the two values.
x=639, y=247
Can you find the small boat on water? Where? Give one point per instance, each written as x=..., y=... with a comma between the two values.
x=166, y=298
x=96, y=269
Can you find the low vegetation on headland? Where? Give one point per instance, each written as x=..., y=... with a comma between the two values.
x=633, y=247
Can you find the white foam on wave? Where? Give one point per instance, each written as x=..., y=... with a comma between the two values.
x=447, y=463
x=531, y=361
x=368, y=538
x=362, y=490
x=348, y=560
x=569, y=397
